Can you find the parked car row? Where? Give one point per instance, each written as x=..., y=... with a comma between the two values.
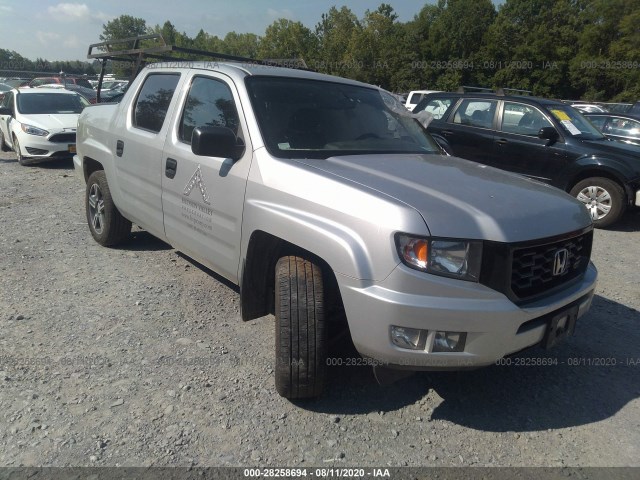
x=112, y=90
x=545, y=140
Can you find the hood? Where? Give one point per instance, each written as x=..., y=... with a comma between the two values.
x=52, y=122
x=619, y=149
x=462, y=199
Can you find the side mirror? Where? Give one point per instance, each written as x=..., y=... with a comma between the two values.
x=217, y=142
x=5, y=111
x=549, y=134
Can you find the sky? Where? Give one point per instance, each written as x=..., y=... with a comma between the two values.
x=55, y=30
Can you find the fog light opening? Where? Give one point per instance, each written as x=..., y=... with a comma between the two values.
x=449, y=341
x=408, y=338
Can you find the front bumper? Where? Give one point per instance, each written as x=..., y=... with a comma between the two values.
x=37, y=149
x=78, y=168
x=495, y=326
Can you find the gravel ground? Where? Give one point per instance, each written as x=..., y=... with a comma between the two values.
x=137, y=356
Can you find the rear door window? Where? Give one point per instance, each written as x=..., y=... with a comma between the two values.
x=437, y=107
x=476, y=113
x=153, y=101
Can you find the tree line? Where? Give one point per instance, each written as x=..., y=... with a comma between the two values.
x=587, y=49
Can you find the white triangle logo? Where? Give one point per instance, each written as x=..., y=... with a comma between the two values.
x=196, y=179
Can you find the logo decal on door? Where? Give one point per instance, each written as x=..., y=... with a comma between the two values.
x=196, y=180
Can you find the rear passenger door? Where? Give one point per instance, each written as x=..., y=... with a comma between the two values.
x=518, y=148
x=469, y=129
x=203, y=197
x=137, y=145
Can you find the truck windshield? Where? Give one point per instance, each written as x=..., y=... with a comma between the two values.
x=48, y=103
x=322, y=119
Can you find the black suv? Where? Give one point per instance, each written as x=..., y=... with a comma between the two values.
x=543, y=139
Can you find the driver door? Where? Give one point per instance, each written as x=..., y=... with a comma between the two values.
x=203, y=197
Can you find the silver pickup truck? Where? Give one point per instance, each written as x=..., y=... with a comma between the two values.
x=322, y=197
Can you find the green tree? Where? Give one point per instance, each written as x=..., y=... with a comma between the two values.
x=530, y=43
x=241, y=44
x=373, y=47
x=334, y=33
x=286, y=39
x=608, y=39
x=124, y=26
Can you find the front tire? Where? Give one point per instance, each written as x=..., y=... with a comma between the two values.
x=3, y=145
x=16, y=148
x=604, y=199
x=301, y=334
x=107, y=225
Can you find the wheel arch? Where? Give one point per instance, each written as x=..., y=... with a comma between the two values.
x=89, y=165
x=257, y=280
x=599, y=170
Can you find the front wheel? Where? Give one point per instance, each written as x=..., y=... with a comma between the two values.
x=107, y=225
x=16, y=148
x=301, y=333
x=604, y=199
x=3, y=145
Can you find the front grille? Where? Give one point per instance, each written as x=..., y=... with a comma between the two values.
x=532, y=270
x=63, y=138
x=524, y=271
x=36, y=151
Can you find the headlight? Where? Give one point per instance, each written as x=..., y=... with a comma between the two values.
x=34, y=130
x=441, y=256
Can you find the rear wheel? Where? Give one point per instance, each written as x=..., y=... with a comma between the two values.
x=301, y=333
x=108, y=227
x=604, y=199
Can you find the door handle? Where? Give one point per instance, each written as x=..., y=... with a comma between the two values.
x=171, y=168
x=502, y=141
x=446, y=132
x=119, y=148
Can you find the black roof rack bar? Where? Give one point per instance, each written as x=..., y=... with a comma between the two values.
x=133, y=50
x=466, y=88
x=515, y=90
x=502, y=91
x=106, y=50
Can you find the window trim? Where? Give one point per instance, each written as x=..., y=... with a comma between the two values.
x=135, y=103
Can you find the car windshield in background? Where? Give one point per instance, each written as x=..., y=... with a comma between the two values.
x=44, y=103
x=574, y=123
x=318, y=119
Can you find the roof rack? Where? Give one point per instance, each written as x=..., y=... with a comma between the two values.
x=138, y=50
x=500, y=91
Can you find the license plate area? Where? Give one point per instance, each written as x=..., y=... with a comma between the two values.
x=560, y=327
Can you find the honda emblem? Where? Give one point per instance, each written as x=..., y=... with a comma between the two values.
x=561, y=262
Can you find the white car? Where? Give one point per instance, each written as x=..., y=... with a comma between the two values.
x=588, y=108
x=415, y=96
x=40, y=123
